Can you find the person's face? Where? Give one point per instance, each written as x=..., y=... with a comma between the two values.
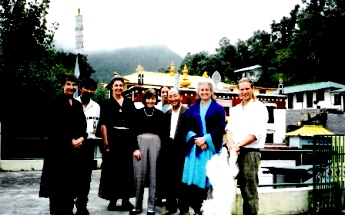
x=118, y=88
x=164, y=93
x=205, y=92
x=69, y=88
x=150, y=102
x=87, y=92
x=174, y=98
x=246, y=91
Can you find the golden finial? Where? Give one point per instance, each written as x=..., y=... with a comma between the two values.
x=185, y=82
x=205, y=74
x=172, y=69
x=78, y=11
x=139, y=68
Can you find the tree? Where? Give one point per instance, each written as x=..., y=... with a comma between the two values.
x=28, y=67
x=225, y=59
x=68, y=61
x=197, y=63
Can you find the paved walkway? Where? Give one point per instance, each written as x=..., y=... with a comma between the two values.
x=19, y=195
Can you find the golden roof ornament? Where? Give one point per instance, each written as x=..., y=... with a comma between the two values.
x=172, y=69
x=139, y=68
x=185, y=82
x=205, y=74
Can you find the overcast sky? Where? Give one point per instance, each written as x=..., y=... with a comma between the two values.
x=182, y=25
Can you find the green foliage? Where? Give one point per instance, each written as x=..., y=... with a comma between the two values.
x=69, y=60
x=101, y=94
x=301, y=48
x=30, y=68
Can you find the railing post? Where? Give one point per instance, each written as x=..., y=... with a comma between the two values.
x=0, y=140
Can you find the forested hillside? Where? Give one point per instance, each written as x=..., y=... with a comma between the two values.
x=304, y=47
x=125, y=61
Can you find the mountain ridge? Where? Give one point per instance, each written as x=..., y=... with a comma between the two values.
x=124, y=61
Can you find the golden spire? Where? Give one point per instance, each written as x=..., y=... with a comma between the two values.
x=185, y=82
x=78, y=11
x=205, y=74
x=172, y=69
x=139, y=68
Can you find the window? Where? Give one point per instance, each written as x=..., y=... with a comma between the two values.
x=320, y=95
x=269, y=138
x=299, y=97
x=262, y=91
x=309, y=99
x=290, y=101
x=270, y=110
x=337, y=99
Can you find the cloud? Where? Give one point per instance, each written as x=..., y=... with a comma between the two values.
x=183, y=26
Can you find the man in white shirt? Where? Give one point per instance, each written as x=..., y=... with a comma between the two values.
x=92, y=113
x=173, y=151
x=246, y=133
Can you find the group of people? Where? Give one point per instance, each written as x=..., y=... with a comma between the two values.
x=164, y=146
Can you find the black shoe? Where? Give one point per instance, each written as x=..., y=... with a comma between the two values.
x=112, y=206
x=169, y=212
x=159, y=202
x=126, y=206
x=83, y=211
x=150, y=212
x=134, y=212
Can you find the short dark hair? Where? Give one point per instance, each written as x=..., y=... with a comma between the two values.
x=149, y=93
x=165, y=86
x=88, y=83
x=68, y=77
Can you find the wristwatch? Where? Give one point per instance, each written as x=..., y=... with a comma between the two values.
x=240, y=146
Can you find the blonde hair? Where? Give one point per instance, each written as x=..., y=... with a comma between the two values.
x=242, y=80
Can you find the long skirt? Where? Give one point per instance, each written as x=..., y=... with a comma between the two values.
x=117, y=180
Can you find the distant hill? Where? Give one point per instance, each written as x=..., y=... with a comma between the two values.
x=125, y=61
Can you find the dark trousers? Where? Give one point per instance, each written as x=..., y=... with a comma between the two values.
x=248, y=179
x=61, y=196
x=174, y=161
x=83, y=172
x=192, y=195
x=61, y=204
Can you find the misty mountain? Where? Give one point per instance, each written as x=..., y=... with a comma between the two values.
x=125, y=61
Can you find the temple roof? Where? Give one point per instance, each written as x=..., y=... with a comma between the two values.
x=313, y=87
x=310, y=131
x=160, y=79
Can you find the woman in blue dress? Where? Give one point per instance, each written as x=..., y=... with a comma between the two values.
x=206, y=124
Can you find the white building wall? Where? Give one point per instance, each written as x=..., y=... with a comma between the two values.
x=279, y=125
x=328, y=101
x=294, y=142
x=297, y=105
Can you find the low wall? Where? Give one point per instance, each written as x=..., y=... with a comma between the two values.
x=27, y=165
x=283, y=201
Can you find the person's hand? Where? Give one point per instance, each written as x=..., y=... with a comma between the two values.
x=106, y=149
x=236, y=147
x=77, y=143
x=137, y=154
x=203, y=146
x=200, y=141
